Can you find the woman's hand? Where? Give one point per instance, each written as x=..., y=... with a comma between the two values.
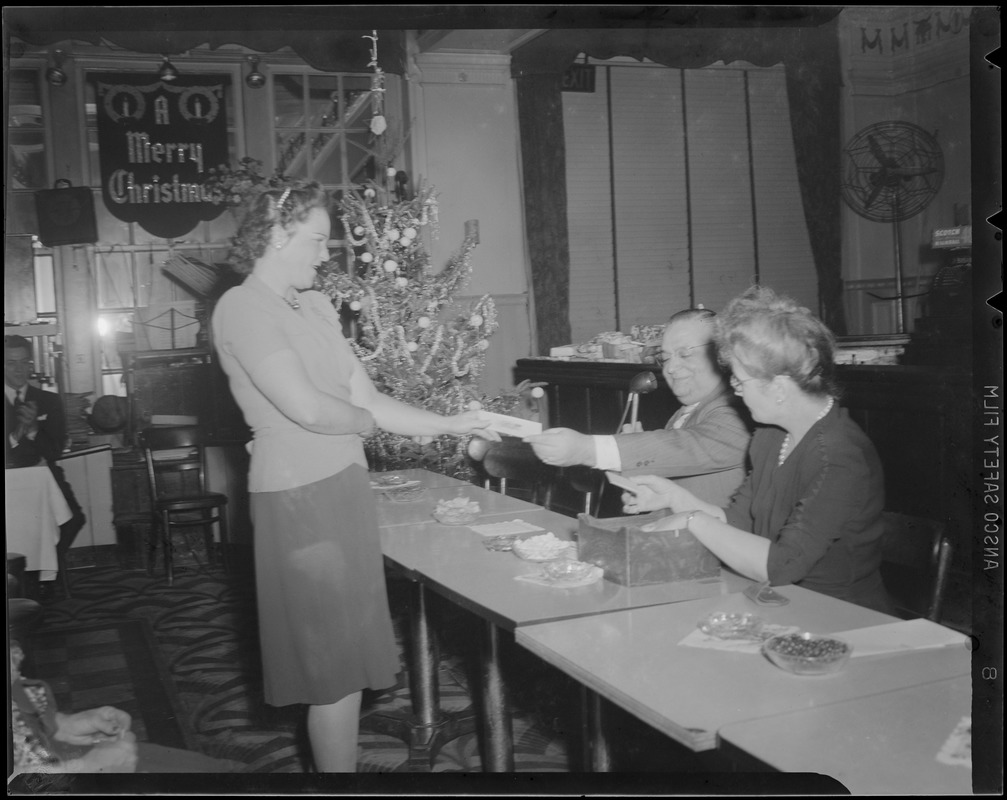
x=93, y=726
x=118, y=756
x=675, y=522
x=654, y=493
x=474, y=422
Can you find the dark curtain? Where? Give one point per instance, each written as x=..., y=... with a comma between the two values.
x=810, y=56
x=543, y=154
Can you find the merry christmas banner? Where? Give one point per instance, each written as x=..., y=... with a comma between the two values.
x=156, y=144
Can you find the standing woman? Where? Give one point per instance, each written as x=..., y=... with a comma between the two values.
x=810, y=510
x=324, y=621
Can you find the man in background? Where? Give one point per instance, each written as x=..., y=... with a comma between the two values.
x=703, y=446
x=36, y=430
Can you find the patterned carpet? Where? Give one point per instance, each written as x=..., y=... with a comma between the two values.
x=204, y=640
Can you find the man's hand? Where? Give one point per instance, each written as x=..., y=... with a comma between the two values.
x=563, y=447
x=27, y=420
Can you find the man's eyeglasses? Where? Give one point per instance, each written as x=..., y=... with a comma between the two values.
x=14, y=363
x=681, y=354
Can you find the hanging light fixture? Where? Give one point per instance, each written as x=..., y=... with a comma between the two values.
x=255, y=79
x=55, y=74
x=167, y=71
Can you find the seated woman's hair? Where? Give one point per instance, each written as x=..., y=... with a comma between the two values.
x=772, y=335
x=285, y=206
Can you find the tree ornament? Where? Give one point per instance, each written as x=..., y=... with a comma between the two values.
x=475, y=320
x=409, y=233
x=392, y=235
x=367, y=258
x=390, y=172
x=391, y=265
x=358, y=231
x=412, y=347
x=423, y=322
x=355, y=305
x=401, y=282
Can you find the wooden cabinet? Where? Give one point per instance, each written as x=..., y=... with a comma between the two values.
x=180, y=383
x=918, y=418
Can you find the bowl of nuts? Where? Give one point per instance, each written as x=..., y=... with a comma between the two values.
x=807, y=653
x=456, y=511
x=544, y=547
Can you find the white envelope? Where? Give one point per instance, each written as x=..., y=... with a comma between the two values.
x=895, y=637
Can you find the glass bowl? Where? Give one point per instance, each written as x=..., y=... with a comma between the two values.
x=405, y=494
x=724, y=625
x=543, y=547
x=807, y=653
x=390, y=480
x=567, y=570
x=457, y=511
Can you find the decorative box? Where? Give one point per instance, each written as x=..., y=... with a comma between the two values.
x=634, y=557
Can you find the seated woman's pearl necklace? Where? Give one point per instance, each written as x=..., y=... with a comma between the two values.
x=294, y=304
x=785, y=447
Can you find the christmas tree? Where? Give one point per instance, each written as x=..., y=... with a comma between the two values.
x=418, y=343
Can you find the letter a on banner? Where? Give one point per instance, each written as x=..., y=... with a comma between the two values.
x=156, y=144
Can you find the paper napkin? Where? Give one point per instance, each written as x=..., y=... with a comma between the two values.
x=505, y=528
x=699, y=639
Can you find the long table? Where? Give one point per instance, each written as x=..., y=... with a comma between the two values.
x=857, y=744
x=634, y=659
x=453, y=562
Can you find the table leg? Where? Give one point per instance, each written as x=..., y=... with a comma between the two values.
x=597, y=756
x=427, y=729
x=498, y=734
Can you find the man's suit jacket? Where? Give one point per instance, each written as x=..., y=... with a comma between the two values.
x=707, y=455
x=48, y=444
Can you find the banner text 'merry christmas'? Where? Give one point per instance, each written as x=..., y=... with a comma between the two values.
x=123, y=188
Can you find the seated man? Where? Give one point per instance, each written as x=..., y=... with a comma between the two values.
x=704, y=444
x=36, y=429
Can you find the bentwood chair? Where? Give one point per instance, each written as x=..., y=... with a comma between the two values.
x=176, y=473
x=512, y=464
x=916, y=564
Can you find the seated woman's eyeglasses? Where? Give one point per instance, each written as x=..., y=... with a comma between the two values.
x=738, y=383
x=681, y=354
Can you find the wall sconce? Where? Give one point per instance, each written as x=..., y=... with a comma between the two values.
x=255, y=79
x=55, y=74
x=167, y=71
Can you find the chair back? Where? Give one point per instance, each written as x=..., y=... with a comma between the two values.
x=513, y=462
x=176, y=460
x=915, y=564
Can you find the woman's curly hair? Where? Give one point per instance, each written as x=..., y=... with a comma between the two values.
x=285, y=206
x=772, y=335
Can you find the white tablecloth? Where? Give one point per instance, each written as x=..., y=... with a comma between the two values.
x=34, y=510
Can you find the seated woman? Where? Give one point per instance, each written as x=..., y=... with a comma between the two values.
x=98, y=740
x=809, y=511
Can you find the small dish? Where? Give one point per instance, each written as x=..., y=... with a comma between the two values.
x=390, y=480
x=406, y=494
x=543, y=547
x=457, y=511
x=807, y=653
x=568, y=571
x=723, y=625
x=501, y=544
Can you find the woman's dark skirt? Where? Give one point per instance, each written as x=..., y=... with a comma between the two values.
x=324, y=624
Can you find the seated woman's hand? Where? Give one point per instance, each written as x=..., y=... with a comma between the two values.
x=654, y=493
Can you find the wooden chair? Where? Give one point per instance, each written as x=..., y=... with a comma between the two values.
x=514, y=462
x=176, y=473
x=916, y=564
